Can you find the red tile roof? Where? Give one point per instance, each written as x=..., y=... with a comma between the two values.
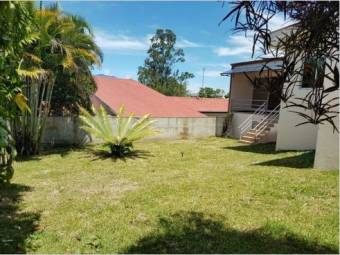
x=204, y=104
x=138, y=99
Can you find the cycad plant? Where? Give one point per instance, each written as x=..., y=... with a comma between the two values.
x=121, y=136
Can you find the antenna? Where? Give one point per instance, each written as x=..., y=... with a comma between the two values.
x=203, y=70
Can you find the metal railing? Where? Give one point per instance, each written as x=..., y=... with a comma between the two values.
x=268, y=120
x=247, y=104
x=247, y=124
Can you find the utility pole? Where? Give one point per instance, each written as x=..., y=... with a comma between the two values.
x=203, y=70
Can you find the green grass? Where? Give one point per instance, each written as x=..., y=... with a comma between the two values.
x=193, y=196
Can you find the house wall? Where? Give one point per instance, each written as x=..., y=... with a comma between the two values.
x=327, y=147
x=327, y=144
x=237, y=119
x=241, y=90
x=290, y=136
x=67, y=131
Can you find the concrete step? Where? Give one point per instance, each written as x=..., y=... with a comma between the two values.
x=246, y=142
x=253, y=133
x=245, y=137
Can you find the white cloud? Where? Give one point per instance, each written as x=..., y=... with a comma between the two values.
x=123, y=42
x=184, y=43
x=120, y=42
x=239, y=44
x=278, y=22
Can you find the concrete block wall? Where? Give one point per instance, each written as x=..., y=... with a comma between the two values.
x=67, y=131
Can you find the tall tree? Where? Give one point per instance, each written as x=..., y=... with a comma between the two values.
x=158, y=70
x=311, y=47
x=65, y=46
x=74, y=86
x=210, y=92
x=15, y=34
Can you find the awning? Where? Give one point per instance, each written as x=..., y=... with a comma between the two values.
x=255, y=67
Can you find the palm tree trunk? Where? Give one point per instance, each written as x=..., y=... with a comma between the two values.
x=30, y=128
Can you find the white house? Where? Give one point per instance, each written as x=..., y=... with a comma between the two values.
x=260, y=116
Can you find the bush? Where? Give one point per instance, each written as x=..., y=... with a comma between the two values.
x=7, y=153
x=120, y=137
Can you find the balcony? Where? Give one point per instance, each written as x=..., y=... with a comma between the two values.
x=250, y=105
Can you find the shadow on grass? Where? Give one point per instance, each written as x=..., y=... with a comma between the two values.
x=63, y=151
x=304, y=160
x=101, y=154
x=192, y=232
x=263, y=148
x=15, y=226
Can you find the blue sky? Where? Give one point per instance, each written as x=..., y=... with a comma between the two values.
x=123, y=30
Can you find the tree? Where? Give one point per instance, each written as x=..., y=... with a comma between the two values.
x=210, y=92
x=64, y=48
x=71, y=91
x=15, y=34
x=157, y=71
x=310, y=47
x=73, y=87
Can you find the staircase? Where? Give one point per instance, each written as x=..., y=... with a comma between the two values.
x=257, y=126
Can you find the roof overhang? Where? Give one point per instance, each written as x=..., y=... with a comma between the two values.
x=252, y=66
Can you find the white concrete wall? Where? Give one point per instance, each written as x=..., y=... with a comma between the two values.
x=292, y=137
x=289, y=135
x=327, y=147
x=327, y=144
x=237, y=119
x=67, y=131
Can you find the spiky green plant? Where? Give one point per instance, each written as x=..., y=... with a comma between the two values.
x=119, y=136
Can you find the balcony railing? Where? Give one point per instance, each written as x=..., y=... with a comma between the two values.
x=247, y=105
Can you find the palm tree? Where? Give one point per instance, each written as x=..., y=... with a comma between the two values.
x=65, y=44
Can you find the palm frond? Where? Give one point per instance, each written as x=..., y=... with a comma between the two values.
x=32, y=73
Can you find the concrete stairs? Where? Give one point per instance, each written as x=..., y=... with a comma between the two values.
x=250, y=136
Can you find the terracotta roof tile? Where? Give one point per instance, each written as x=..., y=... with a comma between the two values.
x=139, y=99
x=204, y=104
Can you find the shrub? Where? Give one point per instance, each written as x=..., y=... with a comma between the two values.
x=120, y=137
x=7, y=153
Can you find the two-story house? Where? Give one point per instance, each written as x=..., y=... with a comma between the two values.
x=260, y=116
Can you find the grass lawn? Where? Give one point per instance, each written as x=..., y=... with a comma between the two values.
x=193, y=196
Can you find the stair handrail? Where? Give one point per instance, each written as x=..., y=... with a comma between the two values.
x=260, y=130
x=247, y=123
x=269, y=119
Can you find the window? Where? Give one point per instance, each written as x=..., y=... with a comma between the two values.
x=313, y=73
